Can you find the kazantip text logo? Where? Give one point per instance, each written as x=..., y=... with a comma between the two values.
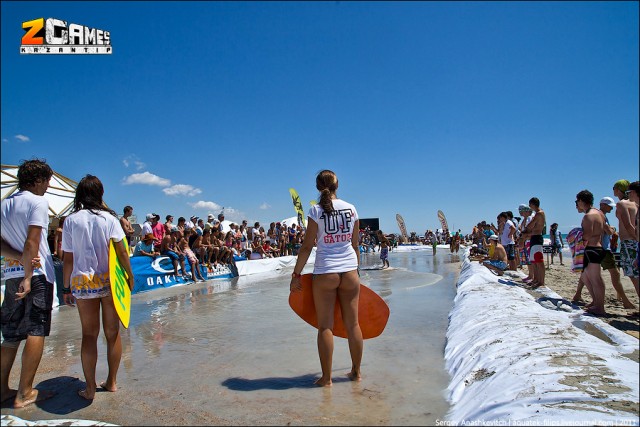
x=55, y=36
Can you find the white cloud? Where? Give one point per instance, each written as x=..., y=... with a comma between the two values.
x=265, y=206
x=23, y=138
x=147, y=179
x=209, y=206
x=127, y=161
x=181, y=190
x=5, y=140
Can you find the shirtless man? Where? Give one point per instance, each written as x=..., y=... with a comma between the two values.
x=592, y=230
x=606, y=205
x=497, y=263
x=626, y=214
x=168, y=248
x=126, y=224
x=534, y=229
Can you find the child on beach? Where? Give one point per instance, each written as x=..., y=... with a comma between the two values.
x=384, y=249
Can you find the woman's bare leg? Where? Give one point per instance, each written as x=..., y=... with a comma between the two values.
x=111, y=327
x=349, y=295
x=89, y=310
x=324, y=297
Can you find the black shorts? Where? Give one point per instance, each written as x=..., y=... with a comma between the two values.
x=593, y=255
x=30, y=315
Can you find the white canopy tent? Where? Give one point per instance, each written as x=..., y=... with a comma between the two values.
x=289, y=221
x=60, y=194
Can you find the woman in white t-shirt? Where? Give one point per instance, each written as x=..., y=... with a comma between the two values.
x=334, y=224
x=85, y=242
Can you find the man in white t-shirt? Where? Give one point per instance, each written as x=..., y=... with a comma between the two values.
x=147, y=226
x=223, y=228
x=29, y=286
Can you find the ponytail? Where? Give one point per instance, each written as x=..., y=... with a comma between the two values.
x=327, y=184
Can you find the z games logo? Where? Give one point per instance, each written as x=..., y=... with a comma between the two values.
x=54, y=36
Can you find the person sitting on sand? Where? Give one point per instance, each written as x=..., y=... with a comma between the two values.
x=592, y=230
x=497, y=262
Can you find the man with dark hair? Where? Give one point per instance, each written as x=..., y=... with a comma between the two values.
x=507, y=233
x=126, y=224
x=592, y=230
x=168, y=225
x=30, y=281
x=534, y=229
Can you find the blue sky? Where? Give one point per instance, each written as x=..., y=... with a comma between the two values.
x=471, y=108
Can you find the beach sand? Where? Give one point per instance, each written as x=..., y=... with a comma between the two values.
x=563, y=281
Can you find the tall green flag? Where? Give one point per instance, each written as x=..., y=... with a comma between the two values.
x=297, y=205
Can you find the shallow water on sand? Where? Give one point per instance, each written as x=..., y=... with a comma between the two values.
x=233, y=352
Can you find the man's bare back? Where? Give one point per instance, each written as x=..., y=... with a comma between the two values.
x=626, y=214
x=500, y=254
x=593, y=227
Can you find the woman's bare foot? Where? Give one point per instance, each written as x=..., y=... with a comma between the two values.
x=322, y=382
x=112, y=388
x=86, y=394
x=8, y=394
x=354, y=376
x=34, y=396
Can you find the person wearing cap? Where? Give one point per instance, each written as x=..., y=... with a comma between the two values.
x=146, y=226
x=209, y=224
x=626, y=212
x=145, y=247
x=497, y=261
x=189, y=225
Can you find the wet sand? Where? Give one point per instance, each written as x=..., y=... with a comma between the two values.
x=232, y=352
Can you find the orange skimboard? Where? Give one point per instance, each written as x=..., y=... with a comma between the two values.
x=373, y=312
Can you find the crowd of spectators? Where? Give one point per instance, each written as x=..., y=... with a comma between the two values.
x=212, y=242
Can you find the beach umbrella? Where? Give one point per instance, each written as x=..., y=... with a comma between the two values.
x=60, y=193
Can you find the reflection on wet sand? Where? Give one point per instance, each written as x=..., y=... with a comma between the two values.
x=233, y=352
